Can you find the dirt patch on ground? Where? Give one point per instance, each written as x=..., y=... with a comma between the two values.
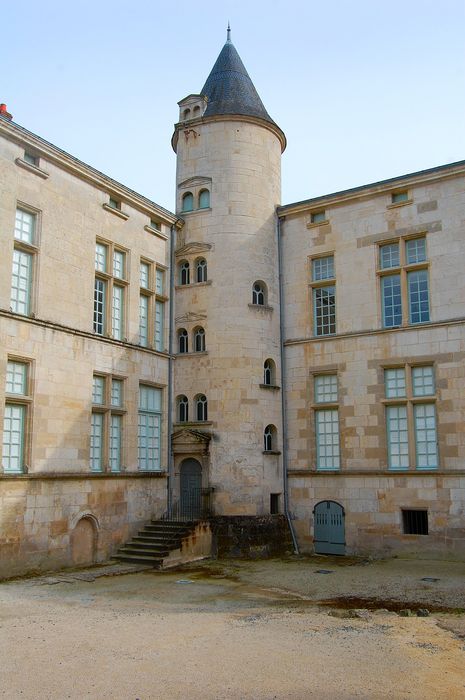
x=235, y=630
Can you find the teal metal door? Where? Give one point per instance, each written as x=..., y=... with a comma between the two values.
x=191, y=489
x=329, y=528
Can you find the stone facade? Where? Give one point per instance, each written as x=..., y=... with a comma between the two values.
x=223, y=313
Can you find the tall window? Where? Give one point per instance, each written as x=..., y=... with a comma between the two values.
x=188, y=202
x=149, y=430
x=259, y=294
x=199, y=340
x=183, y=340
x=269, y=373
x=204, y=199
x=411, y=417
x=201, y=407
x=182, y=409
x=403, y=270
x=184, y=273
x=326, y=422
x=269, y=438
x=201, y=270
x=106, y=434
x=324, y=296
x=151, y=305
x=17, y=402
x=25, y=242
x=109, y=290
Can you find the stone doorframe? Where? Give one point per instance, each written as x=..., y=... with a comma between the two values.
x=189, y=443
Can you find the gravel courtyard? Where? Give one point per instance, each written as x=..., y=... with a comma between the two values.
x=286, y=629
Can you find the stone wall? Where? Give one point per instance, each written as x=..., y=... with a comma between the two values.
x=52, y=523
x=248, y=537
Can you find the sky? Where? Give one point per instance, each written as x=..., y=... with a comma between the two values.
x=364, y=90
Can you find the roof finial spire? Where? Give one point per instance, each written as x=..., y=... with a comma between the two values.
x=228, y=35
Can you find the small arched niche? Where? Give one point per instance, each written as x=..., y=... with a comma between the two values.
x=84, y=541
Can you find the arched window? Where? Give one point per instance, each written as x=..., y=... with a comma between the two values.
x=204, y=199
x=188, y=201
x=201, y=407
x=186, y=114
x=269, y=438
x=201, y=270
x=196, y=111
x=269, y=373
x=199, y=340
x=183, y=340
x=184, y=273
x=183, y=409
x=259, y=294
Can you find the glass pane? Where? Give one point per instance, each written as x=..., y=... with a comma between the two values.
x=318, y=216
x=116, y=392
x=323, y=268
x=117, y=312
x=21, y=282
x=159, y=314
x=415, y=250
x=159, y=281
x=99, y=306
x=115, y=443
x=397, y=436
x=100, y=257
x=389, y=256
x=418, y=296
x=144, y=275
x=327, y=439
x=326, y=388
x=118, y=264
x=98, y=390
x=391, y=300
x=13, y=438
x=394, y=382
x=324, y=300
x=149, y=398
x=149, y=441
x=24, y=226
x=204, y=199
x=143, y=320
x=96, y=442
x=423, y=381
x=425, y=436
x=16, y=378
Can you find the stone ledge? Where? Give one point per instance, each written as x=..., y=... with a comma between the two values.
x=60, y=476
x=389, y=474
x=115, y=211
x=32, y=168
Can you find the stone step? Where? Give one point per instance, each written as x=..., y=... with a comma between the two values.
x=152, y=552
x=139, y=559
x=160, y=547
x=169, y=541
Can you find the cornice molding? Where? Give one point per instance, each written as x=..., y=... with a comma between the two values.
x=192, y=248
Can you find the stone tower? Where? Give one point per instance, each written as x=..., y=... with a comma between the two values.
x=228, y=426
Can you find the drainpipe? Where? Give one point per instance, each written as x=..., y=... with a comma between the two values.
x=283, y=387
x=170, y=481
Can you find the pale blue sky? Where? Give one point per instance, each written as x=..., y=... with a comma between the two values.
x=364, y=90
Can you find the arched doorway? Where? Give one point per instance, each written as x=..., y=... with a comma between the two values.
x=329, y=528
x=84, y=542
x=191, y=489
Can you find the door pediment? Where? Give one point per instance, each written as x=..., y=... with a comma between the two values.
x=189, y=440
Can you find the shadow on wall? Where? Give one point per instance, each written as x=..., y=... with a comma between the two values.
x=84, y=541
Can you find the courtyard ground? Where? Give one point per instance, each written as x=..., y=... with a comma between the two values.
x=292, y=629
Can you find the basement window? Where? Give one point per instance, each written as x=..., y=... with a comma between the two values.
x=318, y=217
x=415, y=522
x=31, y=159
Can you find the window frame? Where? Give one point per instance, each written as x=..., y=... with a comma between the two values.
x=30, y=251
x=322, y=407
x=403, y=271
x=154, y=298
x=109, y=282
x=158, y=415
x=410, y=400
x=315, y=286
x=108, y=409
x=24, y=401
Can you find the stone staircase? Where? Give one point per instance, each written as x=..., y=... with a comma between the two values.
x=154, y=542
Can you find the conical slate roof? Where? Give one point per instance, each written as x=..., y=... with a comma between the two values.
x=229, y=88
